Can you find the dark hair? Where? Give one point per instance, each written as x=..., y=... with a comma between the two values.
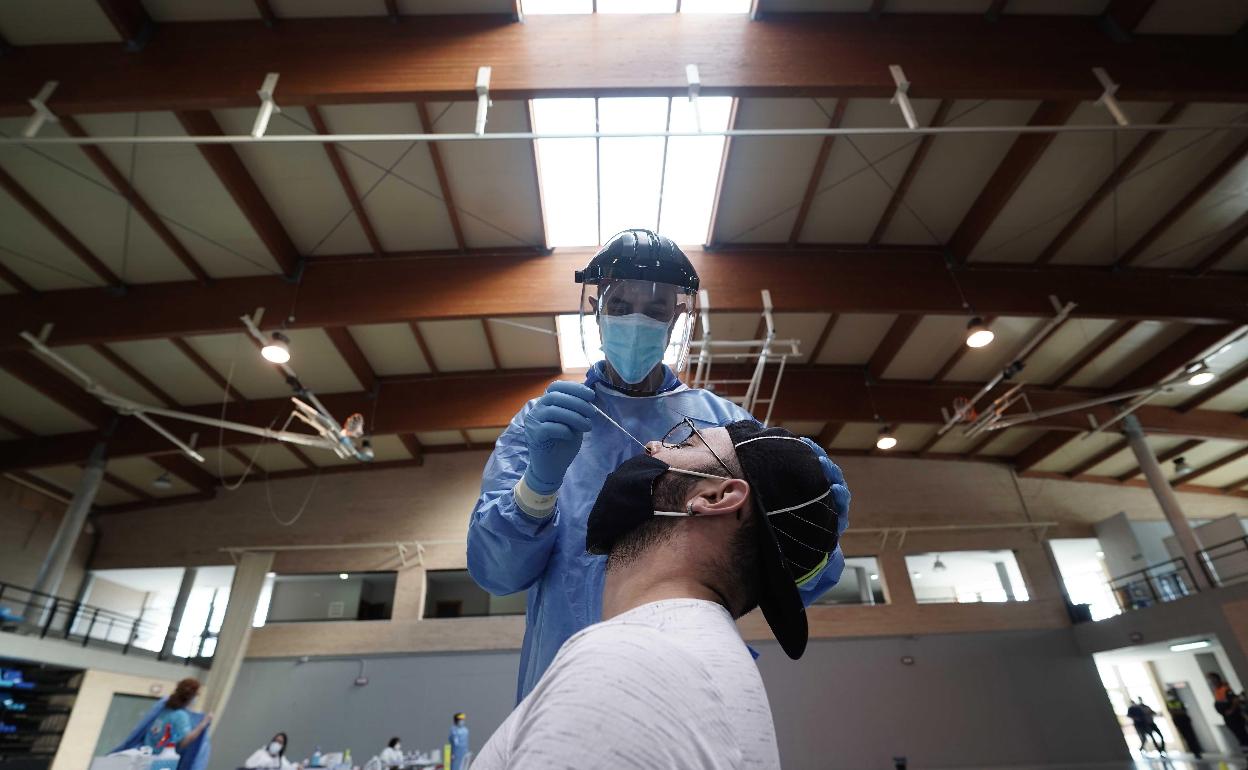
x=183, y=693
x=285, y=740
x=1214, y=675
x=393, y=741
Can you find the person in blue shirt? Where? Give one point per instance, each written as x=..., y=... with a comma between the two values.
x=527, y=531
x=173, y=725
x=459, y=741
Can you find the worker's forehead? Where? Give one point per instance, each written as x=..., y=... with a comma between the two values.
x=637, y=291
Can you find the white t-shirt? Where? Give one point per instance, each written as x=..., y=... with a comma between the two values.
x=261, y=758
x=391, y=757
x=665, y=685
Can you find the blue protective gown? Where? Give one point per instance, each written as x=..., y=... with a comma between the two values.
x=193, y=757
x=459, y=746
x=510, y=551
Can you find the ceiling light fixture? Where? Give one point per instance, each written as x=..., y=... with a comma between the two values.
x=916, y=574
x=978, y=334
x=875, y=577
x=1185, y=646
x=163, y=481
x=277, y=351
x=939, y=566
x=886, y=439
x=343, y=576
x=1181, y=468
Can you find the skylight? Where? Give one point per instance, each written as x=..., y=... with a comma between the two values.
x=538, y=7
x=543, y=7
x=650, y=182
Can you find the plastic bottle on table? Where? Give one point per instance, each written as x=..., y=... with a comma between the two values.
x=316, y=757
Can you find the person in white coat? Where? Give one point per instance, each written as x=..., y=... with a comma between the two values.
x=271, y=756
x=392, y=754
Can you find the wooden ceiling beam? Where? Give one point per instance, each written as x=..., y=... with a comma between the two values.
x=822, y=340
x=1192, y=346
x=266, y=12
x=212, y=65
x=1102, y=343
x=353, y=356
x=131, y=21
x=1013, y=169
x=1041, y=448
x=237, y=181
x=829, y=433
x=722, y=175
x=1210, y=467
x=424, y=347
x=36, y=373
x=802, y=280
x=202, y=364
x=139, y=378
x=344, y=179
x=15, y=280
x=1111, y=182
x=1121, y=17
x=1223, y=383
x=912, y=170
x=487, y=400
x=983, y=443
x=894, y=340
x=188, y=470
x=1176, y=212
x=414, y=447
x=1098, y=458
x=816, y=173
x=444, y=184
x=57, y=230
x=489, y=341
x=1223, y=249
x=1164, y=457
x=127, y=487
x=132, y=196
x=300, y=455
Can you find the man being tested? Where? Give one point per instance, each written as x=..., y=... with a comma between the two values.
x=527, y=530
x=697, y=535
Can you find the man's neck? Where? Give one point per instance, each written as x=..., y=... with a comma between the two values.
x=629, y=587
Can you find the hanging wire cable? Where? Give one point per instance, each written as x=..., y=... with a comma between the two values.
x=125, y=229
x=52, y=268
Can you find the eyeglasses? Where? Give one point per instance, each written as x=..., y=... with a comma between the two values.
x=682, y=434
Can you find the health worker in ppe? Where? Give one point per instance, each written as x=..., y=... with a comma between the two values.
x=458, y=740
x=527, y=531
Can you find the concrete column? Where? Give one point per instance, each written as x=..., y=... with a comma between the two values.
x=52, y=571
x=896, y=578
x=1004, y=576
x=409, y=594
x=864, y=585
x=179, y=609
x=1166, y=498
x=236, y=628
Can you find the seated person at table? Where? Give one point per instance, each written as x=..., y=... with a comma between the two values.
x=696, y=536
x=272, y=755
x=392, y=754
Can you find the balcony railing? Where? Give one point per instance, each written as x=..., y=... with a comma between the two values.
x=1153, y=585
x=33, y=613
x=1226, y=563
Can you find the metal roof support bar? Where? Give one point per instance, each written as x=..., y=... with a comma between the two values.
x=483, y=100
x=1108, y=99
x=42, y=113
x=695, y=85
x=267, y=105
x=901, y=97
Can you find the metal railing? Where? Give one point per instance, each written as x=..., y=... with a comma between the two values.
x=1155, y=584
x=31, y=613
x=1226, y=563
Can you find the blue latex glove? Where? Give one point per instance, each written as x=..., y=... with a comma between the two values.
x=554, y=429
x=840, y=491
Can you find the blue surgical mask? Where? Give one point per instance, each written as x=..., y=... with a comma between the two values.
x=634, y=344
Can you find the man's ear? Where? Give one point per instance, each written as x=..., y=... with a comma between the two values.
x=720, y=496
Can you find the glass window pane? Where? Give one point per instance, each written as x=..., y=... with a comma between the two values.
x=715, y=6
x=860, y=583
x=693, y=169
x=452, y=593
x=966, y=577
x=632, y=168
x=568, y=171
x=331, y=596
x=636, y=6
x=539, y=7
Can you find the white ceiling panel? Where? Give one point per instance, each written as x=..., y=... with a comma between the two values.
x=1167, y=172
x=733, y=326
x=457, y=346
x=275, y=457
x=34, y=411
x=494, y=184
x=520, y=348
x=1233, y=400
x=955, y=442
x=979, y=365
x=223, y=464
x=294, y=9
x=98, y=367
x=806, y=428
x=169, y=368
x=857, y=435
x=319, y=364
x=180, y=186
x=391, y=349
x=405, y=207
x=200, y=10
x=1124, y=461
x=440, y=437
x=851, y=194
x=1071, y=169
x=767, y=176
x=955, y=171
x=299, y=182
x=1226, y=475
x=1236, y=258
x=1063, y=347
x=56, y=21
x=1133, y=349
x=1078, y=451
x=1200, y=456
x=854, y=337
x=140, y=471
x=484, y=435
x=1219, y=212
x=929, y=346
x=805, y=327
x=389, y=449
x=37, y=257
x=1012, y=441
x=1194, y=17
x=234, y=356
x=66, y=477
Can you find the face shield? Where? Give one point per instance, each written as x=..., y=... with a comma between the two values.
x=637, y=324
